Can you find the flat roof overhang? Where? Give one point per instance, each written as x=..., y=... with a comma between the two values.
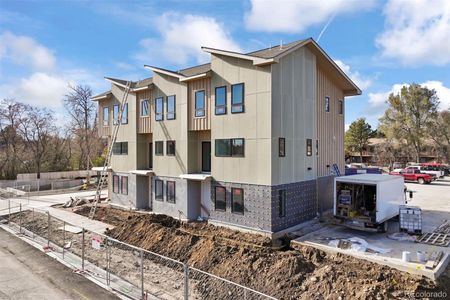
x=196, y=176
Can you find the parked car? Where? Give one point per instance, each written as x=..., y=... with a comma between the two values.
x=414, y=175
x=440, y=169
x=436, y=174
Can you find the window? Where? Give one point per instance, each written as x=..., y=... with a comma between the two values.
x=317, y=147
x=237, y=147
x=159, y=148
x=237, y=200
x=115, y=184
x=106, y=116
x=229, y=147
x=125, y=114
x=170, y=148
x=120, y=148
x=237, y=98
x=220, y=198
x=171, y=107
x=341, y=107
x=200, y=103
x=124, y=185
x=170, y=186
x=327, y=104
x=281, y=147
x=159, y=107
x=144, y=108
x=116, y=114
x=221, y=100
x=308, y=147
x=159, y=193
x=281, y=203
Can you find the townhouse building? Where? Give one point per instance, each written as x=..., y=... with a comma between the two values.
x=247, y=140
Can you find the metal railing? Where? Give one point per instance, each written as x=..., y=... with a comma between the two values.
x=129, y=270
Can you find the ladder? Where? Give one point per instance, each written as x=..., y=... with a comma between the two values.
x=106, y=164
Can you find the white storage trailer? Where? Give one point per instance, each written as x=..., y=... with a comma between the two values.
x=367, y=201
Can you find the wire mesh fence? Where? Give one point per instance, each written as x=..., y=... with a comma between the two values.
x=127, y=269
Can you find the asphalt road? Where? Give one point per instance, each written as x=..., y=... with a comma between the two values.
x=27, y=273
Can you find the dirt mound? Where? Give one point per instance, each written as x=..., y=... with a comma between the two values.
x=249, y=259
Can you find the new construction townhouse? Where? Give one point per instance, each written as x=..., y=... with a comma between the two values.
x=247, y=140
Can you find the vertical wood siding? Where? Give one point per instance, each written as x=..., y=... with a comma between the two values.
x=203, y=123
x=330, y=125
x=144, y=123
x=104, y=131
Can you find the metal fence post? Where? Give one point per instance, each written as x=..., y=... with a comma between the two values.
x=82, y=249
x=64, y=238
x=9, y=213
x=186, y=281
x=107, y=261
x=32, y=222
x=142, y=274
x=245, y=294
x=20, y=218
x=48, y=229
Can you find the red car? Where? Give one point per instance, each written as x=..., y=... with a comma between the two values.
x=413, y=175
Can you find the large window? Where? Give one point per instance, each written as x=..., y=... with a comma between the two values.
x=327, y=104
x=230, y=147
x=341, y=107
x=200, y=103
x=171, y=107
x=220, y=198
x=125, y=114
x=120, y=148
x=106, y=116
x=170, y=148
x=221, y=100
x=281, y=147
x=159, y=145
x=281, y=203
x=237, y=200
x=116, y=114
x=124, y=185
x=308, y=147
x=159, y=109
x=170, y=185
x=115, y=184
x=237, y=98
x=144, y=108
x=159, y=191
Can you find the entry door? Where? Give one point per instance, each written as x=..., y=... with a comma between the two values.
x=150, y=155
x=206, y=156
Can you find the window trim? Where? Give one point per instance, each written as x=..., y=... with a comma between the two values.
x=126, y=119
x=161, y=114
x=215, y=101
x=327, y=104
x=122, y=184
x=243, y=99
x=230, y=152
x=161, y=197
x=174, y=191
x=281, y=203
x=309, y=147
x=171, y=115
x=215, y=198
x=204, y=104
x=148, y=108
x=116, y=119
x=103, y=115
x=232, y=201
x=116, y=191
x=174, y=148
x=162, y=149
x=281, y=141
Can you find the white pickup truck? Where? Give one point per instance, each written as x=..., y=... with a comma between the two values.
x=436, y=174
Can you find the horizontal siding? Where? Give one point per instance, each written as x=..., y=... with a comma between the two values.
x=330, y=125
x=203, y=123
x=144, y=123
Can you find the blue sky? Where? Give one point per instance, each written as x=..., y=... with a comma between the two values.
x=45, y=45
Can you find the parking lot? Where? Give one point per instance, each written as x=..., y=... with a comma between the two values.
x=433, y=199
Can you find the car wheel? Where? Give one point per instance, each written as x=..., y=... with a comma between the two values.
x=420, y=181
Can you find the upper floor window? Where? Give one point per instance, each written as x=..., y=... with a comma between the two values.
x=106, y=116
x=308, y=147
x=341, y=107
x=327, y=104
x=144, y=108
x=159, y=145
x=159, y=109
x=229, y=147
x=237, y=98
x=120, y=148
x=171, y=107
x=125, y=114
x=116, y=114
x=200, y=103
x=281, y=147
x=237, y=200
x=221, y=100
x=170, y=148
x=170, y=186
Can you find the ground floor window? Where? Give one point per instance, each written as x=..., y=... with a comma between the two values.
x=220, y=198
x=281, y=203
x=170, y=185
x=124, y=185
x=159, y=193
x=237, y=200
x=115, y=184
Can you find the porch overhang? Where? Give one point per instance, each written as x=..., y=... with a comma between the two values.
x=196, y=176
x=142, y=172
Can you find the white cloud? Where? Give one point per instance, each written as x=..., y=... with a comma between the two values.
x=181, y=39
x=442, y=92
x=293, y=16
x=362, y=82
x=416, y=32
x=24, y=50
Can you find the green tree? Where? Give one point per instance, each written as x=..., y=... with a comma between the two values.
x=439, y=132
x=409, y=115
x=357, y=136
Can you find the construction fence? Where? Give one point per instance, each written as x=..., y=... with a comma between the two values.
x=132, y=271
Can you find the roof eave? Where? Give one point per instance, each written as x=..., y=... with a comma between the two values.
x=98, y=98
x=196, y=76
x=142, y=88
x=257, y=61
x=165, y=72
x=111, y=80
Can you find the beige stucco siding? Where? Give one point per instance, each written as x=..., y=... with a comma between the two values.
x=171, y=129
x=253, y=125
x=199, y=123
x=330, y=125
x=293, y=106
